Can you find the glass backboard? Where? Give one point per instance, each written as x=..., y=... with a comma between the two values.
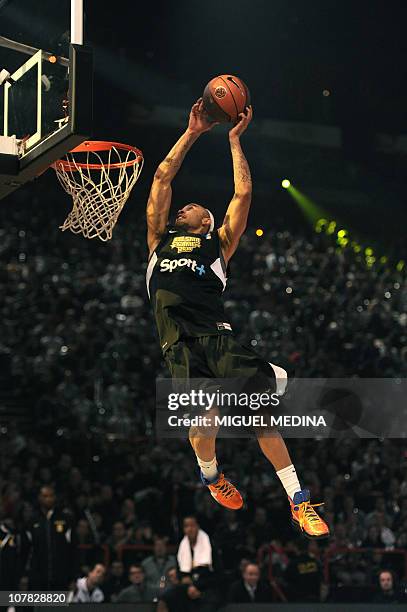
x=45, y=80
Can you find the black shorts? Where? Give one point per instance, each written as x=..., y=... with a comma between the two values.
x=222, y=357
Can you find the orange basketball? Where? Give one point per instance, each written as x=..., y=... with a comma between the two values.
x=225, y=97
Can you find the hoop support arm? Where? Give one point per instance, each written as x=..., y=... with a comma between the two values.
x=17, y=46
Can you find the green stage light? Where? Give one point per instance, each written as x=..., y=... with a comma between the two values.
x=319, y=225
x=342, y=233
x=331, y=227
x=400, y=265
x=368, y=252
x=312, y=212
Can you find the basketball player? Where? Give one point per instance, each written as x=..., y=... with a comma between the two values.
x=186, y=276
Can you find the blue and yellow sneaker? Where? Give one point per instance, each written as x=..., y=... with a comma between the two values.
x=304, y=517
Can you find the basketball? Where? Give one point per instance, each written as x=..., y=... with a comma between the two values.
x=225, y=97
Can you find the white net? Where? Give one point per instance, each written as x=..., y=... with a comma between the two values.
x=100, y=183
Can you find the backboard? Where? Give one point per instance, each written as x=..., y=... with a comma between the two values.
x=45, y=86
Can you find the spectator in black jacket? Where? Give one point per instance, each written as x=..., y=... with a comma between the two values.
x=250, y=589
x=303, y=574
x=174, y=598
x=387, y=593
x=115, y=582
x=13, y=554
x=52, y=559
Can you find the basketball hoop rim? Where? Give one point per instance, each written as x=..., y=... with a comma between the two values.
x=95, y=146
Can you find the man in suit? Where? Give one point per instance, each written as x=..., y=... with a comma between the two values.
x=250, y=589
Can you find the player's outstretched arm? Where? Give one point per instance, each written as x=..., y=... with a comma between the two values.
x=234, y=223
x=159, y=201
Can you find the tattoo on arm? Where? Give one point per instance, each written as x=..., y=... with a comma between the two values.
x=176, y=156
x=159, y=201
x=235, y=219
x=241, y=168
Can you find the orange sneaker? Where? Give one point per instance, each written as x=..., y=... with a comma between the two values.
x=304, y=517
x=224, y=492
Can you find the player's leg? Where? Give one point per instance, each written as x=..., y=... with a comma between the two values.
x=276, y=451
x=243, y=363
x=203, y=441
x=187, y=360
x=303, y=514
x=272, y=444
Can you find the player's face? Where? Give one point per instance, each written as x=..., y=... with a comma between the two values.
x=193, y=217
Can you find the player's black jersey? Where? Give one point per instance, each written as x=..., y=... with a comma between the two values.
x=186, y=276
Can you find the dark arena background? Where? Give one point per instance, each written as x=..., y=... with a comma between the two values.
x=319, y=281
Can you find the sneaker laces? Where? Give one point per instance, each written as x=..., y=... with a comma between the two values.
x=225, y=487
x=306, y=511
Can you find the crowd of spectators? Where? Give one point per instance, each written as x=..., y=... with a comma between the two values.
x=79, y=358
x=77, y=328
x=128, y=499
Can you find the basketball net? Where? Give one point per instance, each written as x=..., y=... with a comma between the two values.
x=99, y=176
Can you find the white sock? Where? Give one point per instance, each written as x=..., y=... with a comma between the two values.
x=289, y=480
x=209, y=468
x=281, y=378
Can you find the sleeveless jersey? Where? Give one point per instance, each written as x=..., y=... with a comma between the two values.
x=185, y=278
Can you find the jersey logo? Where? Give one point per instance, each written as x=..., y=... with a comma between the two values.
x=169, y=265
x=185, y=244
